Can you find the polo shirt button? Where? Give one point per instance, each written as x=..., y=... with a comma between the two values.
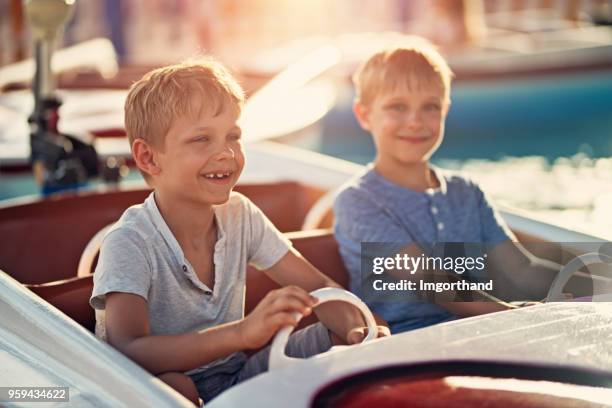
x=434, y=209
x=440, y=226
x=184, y=268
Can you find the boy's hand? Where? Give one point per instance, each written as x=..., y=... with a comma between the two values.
x=357, y=334
x=274, y=312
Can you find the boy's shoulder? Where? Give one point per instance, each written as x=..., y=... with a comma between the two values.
x=348, y=189
x=133, y=219
x=237, y=213
x=456, y=178
x=354, y=196
x=237, y=205
x=458, y=183
x=237, y=199
x=357, y=184
x=139, y=215
x=136, y=223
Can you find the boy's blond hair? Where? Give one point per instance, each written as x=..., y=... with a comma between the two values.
x=415, y=62
x=165, y=94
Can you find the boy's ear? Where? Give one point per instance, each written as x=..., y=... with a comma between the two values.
x=144, y=156
x=361, y=113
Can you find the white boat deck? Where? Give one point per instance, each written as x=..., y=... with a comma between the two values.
x=557, y=334
x=41, y=347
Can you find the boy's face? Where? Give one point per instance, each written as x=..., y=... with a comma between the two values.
x=202, y=157
x=407, y=124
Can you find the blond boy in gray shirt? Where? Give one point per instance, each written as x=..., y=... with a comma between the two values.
x=170, y=283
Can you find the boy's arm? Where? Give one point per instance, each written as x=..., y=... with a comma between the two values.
x=519, y=275
x=128, y=330
x=480, y=303
x=340, y=317
x=467, y=309
x=525, y=276
x=127, y=327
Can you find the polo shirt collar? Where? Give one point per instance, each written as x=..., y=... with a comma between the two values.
x=168, y=236
x=441, y=179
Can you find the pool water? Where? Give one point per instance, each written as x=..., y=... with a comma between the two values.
x=19, y=185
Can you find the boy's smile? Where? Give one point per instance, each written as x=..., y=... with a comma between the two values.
x=221, y=177
x=413, y=139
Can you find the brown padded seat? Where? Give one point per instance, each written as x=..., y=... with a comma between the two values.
x=32, y=235
x=71, y=296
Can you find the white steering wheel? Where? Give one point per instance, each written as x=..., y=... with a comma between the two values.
x=555, y=292
x=278, y=358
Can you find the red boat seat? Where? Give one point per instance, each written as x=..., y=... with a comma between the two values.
x=72, y=295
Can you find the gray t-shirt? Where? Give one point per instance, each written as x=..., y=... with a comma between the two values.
x=370, y=208
x=140, y=255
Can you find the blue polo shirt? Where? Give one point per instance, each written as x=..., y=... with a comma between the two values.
x=370, y=208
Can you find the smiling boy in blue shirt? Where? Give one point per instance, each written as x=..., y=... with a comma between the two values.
x=403, y=97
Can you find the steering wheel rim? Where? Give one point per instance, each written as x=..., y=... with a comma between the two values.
x=278, y=358
x=555, y=292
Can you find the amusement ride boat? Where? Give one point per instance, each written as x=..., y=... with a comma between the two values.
x=552, y=354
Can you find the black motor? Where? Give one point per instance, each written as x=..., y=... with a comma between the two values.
x=59, y=161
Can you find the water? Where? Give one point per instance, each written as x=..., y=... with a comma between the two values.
x=574, y=192
x=19, y=185
x=543, y=145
